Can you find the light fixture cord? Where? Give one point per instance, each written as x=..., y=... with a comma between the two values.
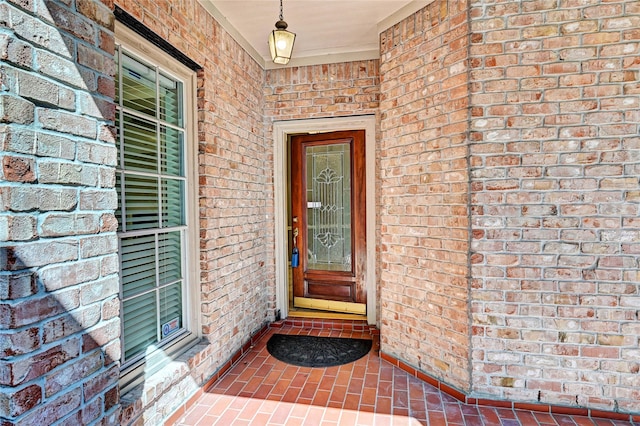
x=281, y=18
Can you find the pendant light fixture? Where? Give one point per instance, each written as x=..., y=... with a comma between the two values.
x=281, y=42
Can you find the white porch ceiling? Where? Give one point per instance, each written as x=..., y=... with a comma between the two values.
x=326, y=30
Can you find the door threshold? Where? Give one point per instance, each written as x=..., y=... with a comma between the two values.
x=297, y=313
x=324, y=305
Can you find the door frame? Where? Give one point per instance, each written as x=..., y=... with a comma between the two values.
x=281, y=131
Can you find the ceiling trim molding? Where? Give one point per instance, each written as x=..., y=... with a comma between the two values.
x=326, y=59
x=401, y=14
x=321, y=58
x=233, y=32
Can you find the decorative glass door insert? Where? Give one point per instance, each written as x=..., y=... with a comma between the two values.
x=329, y=207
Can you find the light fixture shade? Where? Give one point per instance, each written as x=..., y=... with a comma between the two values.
x=281, y=44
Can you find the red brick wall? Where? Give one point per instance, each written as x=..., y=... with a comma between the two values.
x=322, y=91
x=548, y=142
x=554, y=165
x=59, y=307
x=424, y=192
x=331, y=90
x=59, y=323
x=236, y=193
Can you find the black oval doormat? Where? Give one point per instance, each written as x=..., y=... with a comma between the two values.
x=313, y=351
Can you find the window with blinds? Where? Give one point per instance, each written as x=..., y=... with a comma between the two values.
x=151, y=182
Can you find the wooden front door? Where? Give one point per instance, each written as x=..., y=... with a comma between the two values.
x=328, y=209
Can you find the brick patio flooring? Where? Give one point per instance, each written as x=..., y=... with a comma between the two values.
x=260, y=390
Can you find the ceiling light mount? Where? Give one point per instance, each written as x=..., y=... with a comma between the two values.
x=281, y=41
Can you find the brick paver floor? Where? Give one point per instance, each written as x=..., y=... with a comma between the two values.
x=260, y=390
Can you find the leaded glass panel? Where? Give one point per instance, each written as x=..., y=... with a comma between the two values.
x=329, y=207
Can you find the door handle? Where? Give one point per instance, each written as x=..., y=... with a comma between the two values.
x=295, y=254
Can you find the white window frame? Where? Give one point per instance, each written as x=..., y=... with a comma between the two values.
x=132, y=374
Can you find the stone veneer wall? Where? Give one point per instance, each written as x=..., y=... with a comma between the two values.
x=424, y=290
x=555, y=166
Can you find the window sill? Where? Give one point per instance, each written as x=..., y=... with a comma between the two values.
x=166, y=388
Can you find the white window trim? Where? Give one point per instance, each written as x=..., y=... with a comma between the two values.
x=134, y=43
